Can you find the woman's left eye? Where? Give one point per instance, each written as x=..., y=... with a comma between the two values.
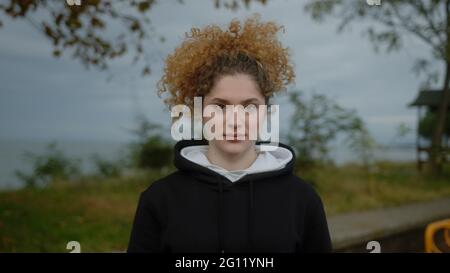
x=253, y=106
x=221, y=106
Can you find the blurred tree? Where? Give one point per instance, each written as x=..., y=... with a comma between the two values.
x=426, y=20
x=107, y=168
x=52, y=166
x=426, y=125
x=403, y=130
x=317, y=121
x=150, y=150
x=96, y=31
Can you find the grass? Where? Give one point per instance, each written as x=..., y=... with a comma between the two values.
x=352, y=188
x=99, y=213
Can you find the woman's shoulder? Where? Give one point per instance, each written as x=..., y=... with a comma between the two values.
x=157, y=190
x=304, y=187
x=159, y=185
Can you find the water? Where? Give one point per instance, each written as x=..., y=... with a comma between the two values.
x=397, y=153
x=12, y=155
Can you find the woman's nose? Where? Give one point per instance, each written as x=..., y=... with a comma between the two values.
x=235, y=118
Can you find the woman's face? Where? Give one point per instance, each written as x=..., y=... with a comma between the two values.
x=238, y=89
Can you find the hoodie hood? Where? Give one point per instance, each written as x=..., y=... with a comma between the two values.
x=266, y=161
x=190, y=157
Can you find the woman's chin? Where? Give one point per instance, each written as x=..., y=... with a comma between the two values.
x=233, y=146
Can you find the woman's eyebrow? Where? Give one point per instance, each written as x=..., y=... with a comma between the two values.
x=219, y=100
x=224, y=101
x=255, y=100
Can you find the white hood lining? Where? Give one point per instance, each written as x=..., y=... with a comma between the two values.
x=266, y=161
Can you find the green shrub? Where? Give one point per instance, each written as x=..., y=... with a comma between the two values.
x=107, y=168
x=52, y=166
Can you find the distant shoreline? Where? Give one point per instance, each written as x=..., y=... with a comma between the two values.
x=11, y=158
x=12, y=155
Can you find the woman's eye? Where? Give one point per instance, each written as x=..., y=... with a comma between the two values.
x=251, y=106
x=221, y=106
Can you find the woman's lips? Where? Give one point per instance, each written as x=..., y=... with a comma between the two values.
x=234, y=137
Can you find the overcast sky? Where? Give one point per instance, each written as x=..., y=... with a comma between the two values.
x=42, y=97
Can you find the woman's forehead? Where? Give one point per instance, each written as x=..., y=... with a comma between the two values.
x=235, y=89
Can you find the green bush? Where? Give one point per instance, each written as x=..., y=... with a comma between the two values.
x=50, y=167
x=150, y=150
x=152, y=153
x=107, y=168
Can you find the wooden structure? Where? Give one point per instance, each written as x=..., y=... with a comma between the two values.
x=430, y=100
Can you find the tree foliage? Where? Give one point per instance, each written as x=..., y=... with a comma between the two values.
x=49, y=167
x=318, y=121
x=97, y=31
x=389, y=24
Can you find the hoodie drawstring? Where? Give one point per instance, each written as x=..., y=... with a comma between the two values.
x=220, y=216
x=251, y=219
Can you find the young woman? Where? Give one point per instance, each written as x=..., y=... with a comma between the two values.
x=229, y=195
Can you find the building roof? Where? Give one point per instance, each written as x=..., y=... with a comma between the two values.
x=427, y=98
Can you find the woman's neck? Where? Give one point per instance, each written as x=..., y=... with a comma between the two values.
x=232, y=162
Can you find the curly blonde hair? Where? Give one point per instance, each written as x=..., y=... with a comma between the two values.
x=208, y=53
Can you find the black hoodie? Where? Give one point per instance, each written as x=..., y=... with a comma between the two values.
x=196, y=209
